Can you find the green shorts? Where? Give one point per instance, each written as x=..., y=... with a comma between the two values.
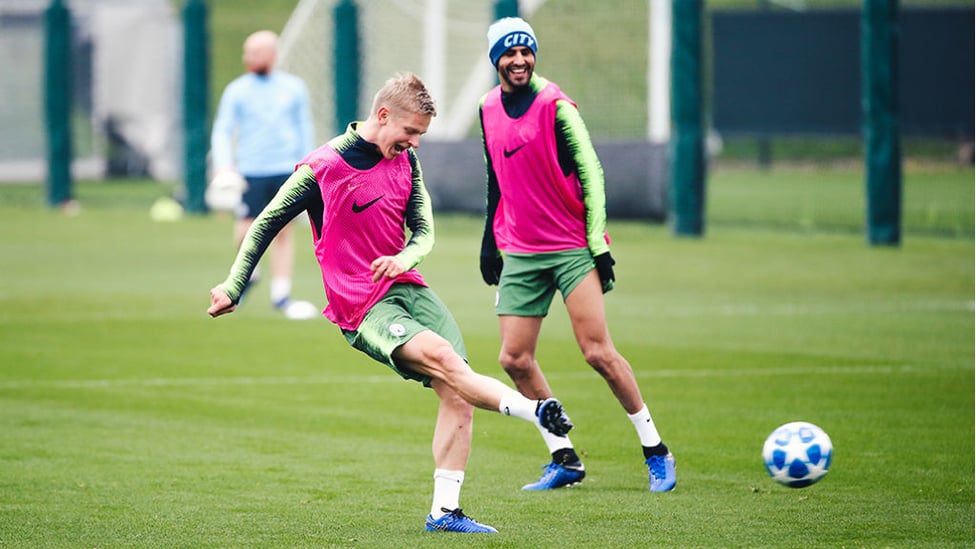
x=405, y=311
x=529, y=281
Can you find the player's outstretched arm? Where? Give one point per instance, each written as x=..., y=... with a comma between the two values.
x=220, y=303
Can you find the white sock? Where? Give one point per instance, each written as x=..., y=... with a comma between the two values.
x=514, y=404
x=552, y=441
x=645, y=427
x=447, y=491
x=280, y=289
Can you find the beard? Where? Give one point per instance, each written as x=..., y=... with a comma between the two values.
x=518, y=81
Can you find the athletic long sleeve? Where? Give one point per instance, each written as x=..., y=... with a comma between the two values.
x=574, y=138
x=298, y=194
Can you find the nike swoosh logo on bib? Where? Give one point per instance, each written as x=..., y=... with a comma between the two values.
x=509, y=153
x=356, y=208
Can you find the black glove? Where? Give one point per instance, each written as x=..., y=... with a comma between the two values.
x=491, y=269
x=604, y=268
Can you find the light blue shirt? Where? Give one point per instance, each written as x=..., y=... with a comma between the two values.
x=263, y=125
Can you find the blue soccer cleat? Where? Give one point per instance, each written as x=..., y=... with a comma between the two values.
x=660, y=472
x=456, y=521
x=552, y=417
x=557, y=476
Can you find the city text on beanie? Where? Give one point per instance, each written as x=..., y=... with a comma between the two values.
x=507, y=33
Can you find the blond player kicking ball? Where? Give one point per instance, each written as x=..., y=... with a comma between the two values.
x=361, y=191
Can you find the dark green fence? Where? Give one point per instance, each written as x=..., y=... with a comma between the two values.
x=777, y=72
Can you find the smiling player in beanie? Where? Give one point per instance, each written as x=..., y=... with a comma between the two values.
x=545, y=229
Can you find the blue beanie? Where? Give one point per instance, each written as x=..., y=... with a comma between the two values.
x=507, y=33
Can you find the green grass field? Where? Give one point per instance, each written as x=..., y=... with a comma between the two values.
x=132, y=419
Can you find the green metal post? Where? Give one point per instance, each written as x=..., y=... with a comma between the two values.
x=347, y=63
x=879, y=97
x=196, y=85
x=687, y=141
x=57, y=102
x=502, y=9
x=506, y=8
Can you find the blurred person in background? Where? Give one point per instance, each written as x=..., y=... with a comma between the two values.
x=263, y=128
x=545, y=229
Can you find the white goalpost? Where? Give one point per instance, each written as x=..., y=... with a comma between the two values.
x=659, y=71
x=444, y=42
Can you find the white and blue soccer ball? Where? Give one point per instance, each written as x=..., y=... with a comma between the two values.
x=797, y=454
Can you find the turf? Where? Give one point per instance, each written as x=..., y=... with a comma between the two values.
x=131, y=419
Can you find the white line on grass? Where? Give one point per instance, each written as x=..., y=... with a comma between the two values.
x=805, y=309
x=584, y=373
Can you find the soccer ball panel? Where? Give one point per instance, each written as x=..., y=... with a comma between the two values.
x=797, y=454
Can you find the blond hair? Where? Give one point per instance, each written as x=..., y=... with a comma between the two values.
x=405, y=92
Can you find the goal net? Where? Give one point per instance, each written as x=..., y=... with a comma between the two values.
x=603, y=54
x=598, y=52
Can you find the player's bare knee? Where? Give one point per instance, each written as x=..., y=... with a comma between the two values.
x=603, y=360
x=444, y=360
x=595, y=355
x=464, y=413
x=515, y=364
x=460, y=408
